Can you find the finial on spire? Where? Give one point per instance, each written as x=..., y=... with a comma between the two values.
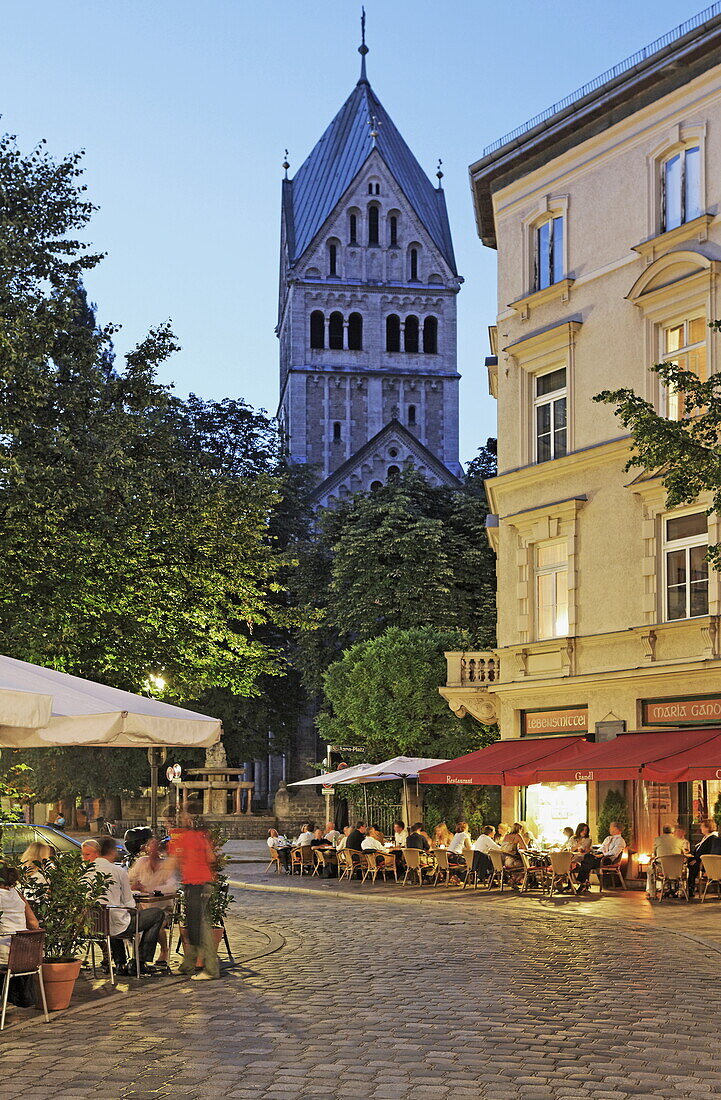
x=286, y=164
x=374, y=124
x=439, y=172
x=363, y=49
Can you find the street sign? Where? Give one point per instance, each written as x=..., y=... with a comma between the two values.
x=157, y=756
x=170, y=772
x=177, y=771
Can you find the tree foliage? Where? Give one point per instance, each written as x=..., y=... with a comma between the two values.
x=685, y=453
x=615, y=808
x=382, y=695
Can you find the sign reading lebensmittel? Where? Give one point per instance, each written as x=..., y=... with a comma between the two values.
x=544, y=723
x=694, y=710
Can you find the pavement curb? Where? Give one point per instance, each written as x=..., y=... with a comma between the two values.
x=632, y=924
x=114, y=995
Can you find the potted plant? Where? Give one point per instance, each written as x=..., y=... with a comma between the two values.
x=62, y=900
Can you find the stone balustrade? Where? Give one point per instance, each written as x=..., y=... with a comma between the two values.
x=472, y=668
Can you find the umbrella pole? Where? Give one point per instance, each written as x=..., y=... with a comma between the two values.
x=365, y=799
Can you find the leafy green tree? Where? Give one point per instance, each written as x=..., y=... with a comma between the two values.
x=615, y=808
x=382, y=695
x=685, y=453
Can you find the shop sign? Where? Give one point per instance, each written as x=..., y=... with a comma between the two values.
x=540, y=723
x=696, y=710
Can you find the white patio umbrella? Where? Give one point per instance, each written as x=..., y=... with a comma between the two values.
x=398, y=767
x=349, y=775
x=43, y=708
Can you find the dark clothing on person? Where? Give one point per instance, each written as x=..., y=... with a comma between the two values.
x=341, y=814
x=323, y=843
x=415, y=840
x=355, y=840
x=150, y=921
x=708, y=846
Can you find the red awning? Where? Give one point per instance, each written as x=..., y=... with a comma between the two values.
x=621, y=758
x=489, y=765
x=699, y=761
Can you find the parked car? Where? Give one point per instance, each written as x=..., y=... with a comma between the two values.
x=16, y=835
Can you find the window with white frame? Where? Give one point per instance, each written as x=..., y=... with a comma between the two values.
x=685, y=543
x=548, y=253
x=683, y=343
x=681, y=188
x=550, y=400
x=551, y=588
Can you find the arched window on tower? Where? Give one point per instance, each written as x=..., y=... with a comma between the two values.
x=372, y=225
x=353, y=229
x=393, y=231
x=393, y=332
x=317, y=329
x=335, y=331
x=355, y=332
x=411, y=333
x=430, y=335
x=336, y=431
x=413, y=265
x=332, y=259
x=411, y=416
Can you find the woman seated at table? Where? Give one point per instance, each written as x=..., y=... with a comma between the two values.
x=15, y=916
x=35, y=854
x=581, y=844
x=502, y=830
x=155, y=872
x=511, y=844
x=442, y=836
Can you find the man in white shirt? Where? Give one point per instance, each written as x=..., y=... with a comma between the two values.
x=482, y=862
x=371, y=844
x=331, y=833
x=612, y=849
x=400, y=834
x=118, y=894
x=282, y=846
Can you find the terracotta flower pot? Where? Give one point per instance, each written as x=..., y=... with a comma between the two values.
x=59, y=979
x=217, y=937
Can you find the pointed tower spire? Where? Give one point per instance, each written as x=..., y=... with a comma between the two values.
x=363, y=49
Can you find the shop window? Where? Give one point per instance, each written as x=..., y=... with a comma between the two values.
x=685, y=566
x=548, y=253
x=684, y=344
x=548, y=807
x=317, y=329
x=393, y=332
x=681, y=188
x=551, y=589
x=551, y=408
x=335, y=331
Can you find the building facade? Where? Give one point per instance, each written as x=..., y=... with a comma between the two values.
x=367, y=309
x=605, y=216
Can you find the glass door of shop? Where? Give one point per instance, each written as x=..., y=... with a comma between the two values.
x=547, y=808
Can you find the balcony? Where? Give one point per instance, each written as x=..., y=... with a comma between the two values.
x=469, y=684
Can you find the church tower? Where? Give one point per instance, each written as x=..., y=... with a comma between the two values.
x=367, y=309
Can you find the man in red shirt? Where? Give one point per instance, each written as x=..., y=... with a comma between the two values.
x=190, y=846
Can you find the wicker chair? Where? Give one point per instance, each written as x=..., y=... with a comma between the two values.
x=302, y=858
x=442, y=866
x=471, y=873
x=390, y=866
x=671, y=869
x=347, y=865
x=324, y=857
x=412, y=857
x=559, y=872
x=99, y=933
x=532, y=873
x=24, y=958
x=274, y=859
x=500, y=875
x=712, y=869
x=615, y=869
x=372, y=867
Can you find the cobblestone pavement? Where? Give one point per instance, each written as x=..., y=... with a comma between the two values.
x=397, y=1001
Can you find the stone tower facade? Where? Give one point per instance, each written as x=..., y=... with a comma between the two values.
x=367, y=309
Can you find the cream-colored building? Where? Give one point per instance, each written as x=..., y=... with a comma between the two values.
x=606, y=216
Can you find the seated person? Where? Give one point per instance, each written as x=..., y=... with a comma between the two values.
x=282, y=846
x=667, y=844
x=486, y=843
x=354, y=839
x=461, y=839
x=612, y=849
x=680, y=834
x=32, y=859
x=510, y=845
x=331, y=833
x=371, y=843
x=502, y=830
x=304, y=837
x=15, y=916
x=119, y=897
x=568, y=838
x=709, y=845
x=343, y=840
x=319, y=841
x=442, y=836
x=157, y=873
x=417, y=838
x=582, y=842
x=400, y=834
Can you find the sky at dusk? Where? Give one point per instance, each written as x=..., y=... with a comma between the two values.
x=184, y=111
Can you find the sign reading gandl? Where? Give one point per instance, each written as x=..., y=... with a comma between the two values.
x=696, y=710
x=540, y=723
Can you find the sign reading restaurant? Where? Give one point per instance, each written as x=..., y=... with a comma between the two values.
x=543, y=723
x=694, y=710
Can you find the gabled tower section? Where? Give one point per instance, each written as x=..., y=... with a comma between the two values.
x=367, y=304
